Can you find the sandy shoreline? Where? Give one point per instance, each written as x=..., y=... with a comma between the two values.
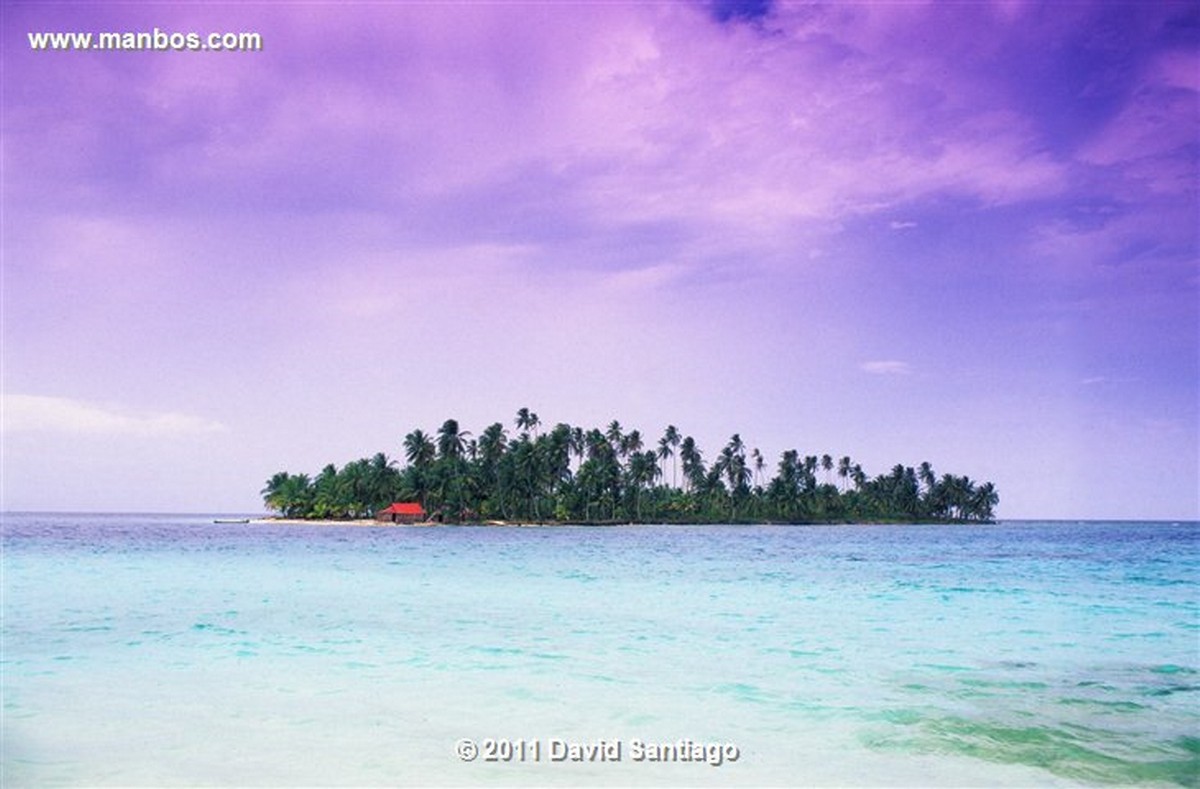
x=359, y=523
x=370, y=522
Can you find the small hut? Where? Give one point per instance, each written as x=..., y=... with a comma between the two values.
x=402, y=512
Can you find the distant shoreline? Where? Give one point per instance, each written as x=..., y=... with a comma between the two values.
x=372, y=523
x=356, y=522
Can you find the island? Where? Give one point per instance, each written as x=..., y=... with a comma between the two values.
x=569, y=474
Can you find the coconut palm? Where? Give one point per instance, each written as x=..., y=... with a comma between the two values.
x=558, y=455
x=643, y=468
x=420, y=452
x=527, y=420
x=733, y=464
x=666, y=448
x=984, y=501
x=693, y=463
x=811, y=462
x=631, y=443
x=451, y=441
x=578, y=443
x=614, y=434
x=784, y=489
x=844, y=467
x=457, y=476
x=382, y=480
x=289, y=494
x=925, y=471
x=491, y=443
x=419, y=449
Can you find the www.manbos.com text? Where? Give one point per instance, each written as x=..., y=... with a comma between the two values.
x=155, y=40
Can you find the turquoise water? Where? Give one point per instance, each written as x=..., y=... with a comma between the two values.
x=168, y=650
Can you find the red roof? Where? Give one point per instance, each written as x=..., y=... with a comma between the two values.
x=405, y=508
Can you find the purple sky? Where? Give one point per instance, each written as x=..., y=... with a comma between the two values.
x=963, y=233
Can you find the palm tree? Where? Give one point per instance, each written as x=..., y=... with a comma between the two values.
x=538, y=478
x=736, y=446
x=614, y=434
x=809, y=473
x=527, y=420
x=962, y=500
x=419, y=449
x=600, y=474
x=578, y=443
x=558, y=455
x=352, y=490
x=983, y=502
x=784, y=489
x=491, y=443
x=733, y=464
x=273, y=491
x=631, y=444
x=857, y=474
x=666, y=448
x=527, y=474
x=844, y=468
x=382, y=480
x=289, y=494
x=925, y=471
x=325, y=493
x=664, y=451
x=450, y=441
x=693, y=463
x=643, y=468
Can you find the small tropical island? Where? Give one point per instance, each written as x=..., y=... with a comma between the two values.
x=572, y=475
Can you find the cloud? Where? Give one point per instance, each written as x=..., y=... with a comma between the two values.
x=640, y=114
x=1097, y=380
x=901, y=225
x=1150, y=143
x=887, y=367
x=28, y=413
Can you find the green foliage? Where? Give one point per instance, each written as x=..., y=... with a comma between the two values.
x=570, y=474
x=357, y=490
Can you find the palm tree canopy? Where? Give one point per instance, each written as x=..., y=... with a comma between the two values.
x=571, y=474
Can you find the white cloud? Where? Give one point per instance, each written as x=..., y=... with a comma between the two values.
x=62, y=415
x=886, y=367
x=901, y=225
x=1105, y=380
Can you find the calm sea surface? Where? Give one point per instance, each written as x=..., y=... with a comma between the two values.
x=168, y=650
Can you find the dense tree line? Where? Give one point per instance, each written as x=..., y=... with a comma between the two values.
x=569, y=474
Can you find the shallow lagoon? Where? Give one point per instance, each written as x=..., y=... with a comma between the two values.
x=160, y=650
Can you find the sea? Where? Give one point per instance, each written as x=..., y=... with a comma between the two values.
x=170, y=650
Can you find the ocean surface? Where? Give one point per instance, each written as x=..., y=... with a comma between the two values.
x=170, y=650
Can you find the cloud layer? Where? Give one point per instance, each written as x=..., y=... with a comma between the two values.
x=38, y=413
x=654, y=212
